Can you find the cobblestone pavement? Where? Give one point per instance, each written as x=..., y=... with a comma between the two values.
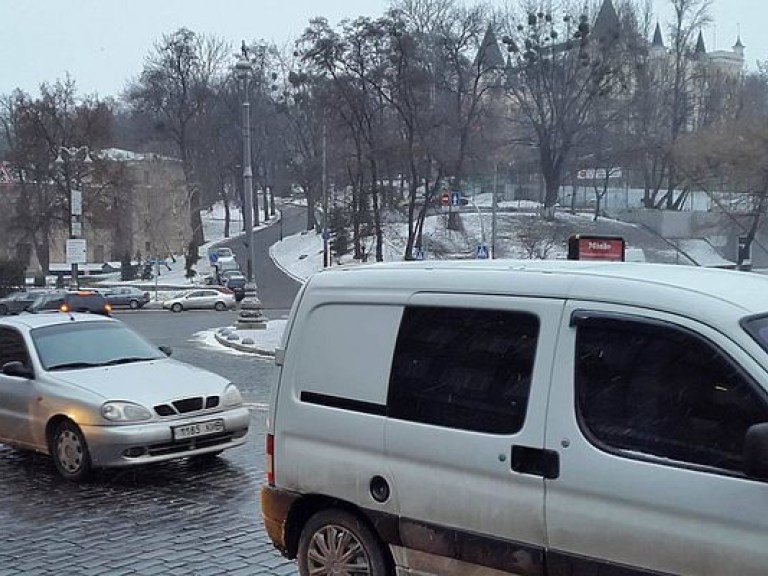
x=179, y=518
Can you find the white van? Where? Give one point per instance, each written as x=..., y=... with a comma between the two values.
x=531, y=418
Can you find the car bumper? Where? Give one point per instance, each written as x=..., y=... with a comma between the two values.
x=275, y=508
x=137, y=444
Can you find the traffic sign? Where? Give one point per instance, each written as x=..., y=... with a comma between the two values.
x=75, y=251
x=419, y=253
x=455, y=198
x=482, y=251
x=213, y=257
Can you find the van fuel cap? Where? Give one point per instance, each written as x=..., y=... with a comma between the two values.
x=379, y=489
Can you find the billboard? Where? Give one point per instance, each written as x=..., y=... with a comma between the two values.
x=593, y=247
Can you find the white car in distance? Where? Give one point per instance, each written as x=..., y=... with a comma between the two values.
x=202, y=299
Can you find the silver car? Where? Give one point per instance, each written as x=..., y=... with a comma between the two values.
x=202, y=299
x=92, y=393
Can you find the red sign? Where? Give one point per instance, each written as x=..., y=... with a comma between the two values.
x=596, y=248
x=445, y=199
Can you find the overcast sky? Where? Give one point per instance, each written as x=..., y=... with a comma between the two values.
x=102, y=43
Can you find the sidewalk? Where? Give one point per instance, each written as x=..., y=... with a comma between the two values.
x=260, y=342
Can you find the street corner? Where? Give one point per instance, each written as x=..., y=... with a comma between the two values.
x=262, y=342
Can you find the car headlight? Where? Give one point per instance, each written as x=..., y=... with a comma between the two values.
x=125, y=412
x=231, y=396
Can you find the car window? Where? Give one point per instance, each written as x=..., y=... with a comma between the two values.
x=663, y=391
x=90, y=343
x=463, y=368
x=12, y=347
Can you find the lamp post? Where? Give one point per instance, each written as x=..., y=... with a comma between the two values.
x=75, y=251
x=243, y=70
x=251, y=315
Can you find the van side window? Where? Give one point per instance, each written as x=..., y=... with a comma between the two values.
x=663, y=391
x=463, y=368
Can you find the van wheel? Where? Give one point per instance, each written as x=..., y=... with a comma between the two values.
x=337, y=542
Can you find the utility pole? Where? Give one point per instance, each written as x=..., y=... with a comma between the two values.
x=326, y=251
x=493, y=210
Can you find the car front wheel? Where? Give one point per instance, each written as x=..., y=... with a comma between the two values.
x=337, y=542
x=70, y=452
x=177, y=307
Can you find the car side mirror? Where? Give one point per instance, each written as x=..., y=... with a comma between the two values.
x=17, y=369
x=166, y=350
x=756, y=451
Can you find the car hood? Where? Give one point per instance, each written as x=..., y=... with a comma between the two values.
x=147, y=383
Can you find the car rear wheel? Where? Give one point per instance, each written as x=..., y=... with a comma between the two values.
x=70, y=452
x=134, y=304
x=220, y=306
x=336, y=542
x=177, y=307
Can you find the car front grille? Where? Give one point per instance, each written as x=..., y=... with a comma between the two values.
x=187, y=406
x=181, y=446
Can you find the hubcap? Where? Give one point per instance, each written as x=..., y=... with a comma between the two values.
x=70, y=451
x=335, y=551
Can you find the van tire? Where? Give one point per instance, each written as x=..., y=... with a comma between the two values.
x=335, y=523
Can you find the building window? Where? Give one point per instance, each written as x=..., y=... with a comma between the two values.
x=663, y=391
x=463, y=368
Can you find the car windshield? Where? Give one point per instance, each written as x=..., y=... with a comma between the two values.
x=87, y=344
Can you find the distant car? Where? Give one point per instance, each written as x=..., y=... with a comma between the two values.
x=236, y=283
x=91, y=393
x=223, y=252
x=129, y=296
x=80, y=301
x=17, y=302
x=204, y=299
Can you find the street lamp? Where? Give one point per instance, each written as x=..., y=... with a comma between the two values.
x=243, y=71
x=76, y=247
x=250, y=308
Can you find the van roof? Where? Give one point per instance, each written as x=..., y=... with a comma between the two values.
x=687, y=290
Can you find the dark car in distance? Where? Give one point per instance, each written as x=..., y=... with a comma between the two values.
x=237, y=285
x=17, y=302
x=129, y=296
x=79, y=301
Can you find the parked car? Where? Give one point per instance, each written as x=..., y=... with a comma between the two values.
x=236, y=283
x=129, y=296
x=550, y=417
x=92, y=393
x=224, y=265
x=19, y=301
x=75, y=301
x=207, y=298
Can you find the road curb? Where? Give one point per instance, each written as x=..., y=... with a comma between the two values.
x=222, y=339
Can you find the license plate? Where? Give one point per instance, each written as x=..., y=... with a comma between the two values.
x=198, y=429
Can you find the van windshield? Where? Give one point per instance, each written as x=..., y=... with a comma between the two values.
x=757, y=327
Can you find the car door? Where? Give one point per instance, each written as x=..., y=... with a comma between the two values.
x=464, y=435
x=16, y=394
x=196, y=300
x=648, y=413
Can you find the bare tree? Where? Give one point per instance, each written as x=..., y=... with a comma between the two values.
x=561, y=70
x=176, y=88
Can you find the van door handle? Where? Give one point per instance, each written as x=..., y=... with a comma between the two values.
x=536, y=461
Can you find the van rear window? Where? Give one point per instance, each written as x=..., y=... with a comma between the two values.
x=463, y=368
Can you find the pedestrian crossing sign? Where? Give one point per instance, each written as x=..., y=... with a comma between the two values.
x=482, y=251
